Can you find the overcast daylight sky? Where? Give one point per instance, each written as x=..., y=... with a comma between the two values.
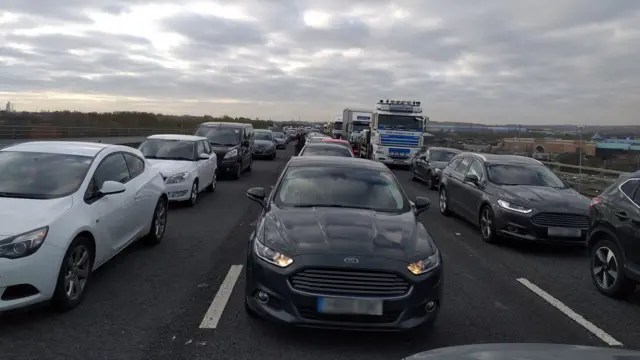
x=489, y=61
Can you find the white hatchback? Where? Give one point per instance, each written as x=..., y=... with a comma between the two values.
x=66, y=208
x=187, y=163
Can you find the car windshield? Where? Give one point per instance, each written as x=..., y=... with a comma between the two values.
x=441, y=155
x=316, y=139
x=35, y=175
x=278, y=135
x=264, y=135
x=530, y=175
x=169, y=149
x=326, y=151
x=218, y=135
x=347, y=187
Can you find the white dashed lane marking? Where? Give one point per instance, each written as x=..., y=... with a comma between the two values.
x=214, y=313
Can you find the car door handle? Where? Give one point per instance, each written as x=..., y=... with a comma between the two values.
x=621, y=215
x=137, y=197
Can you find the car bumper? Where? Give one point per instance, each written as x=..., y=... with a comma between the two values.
x=517, y=226
x=179, y=192
x=264, y=153
x=281, y=146
x=228, y=165
x=389, y=161
x=29, y=280
x=293, y=307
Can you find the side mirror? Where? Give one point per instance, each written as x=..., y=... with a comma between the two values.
x=257, y=194
x=111, y=187
x=246, y=143
x=421, y=204
x=204, y=156
x=472, y=178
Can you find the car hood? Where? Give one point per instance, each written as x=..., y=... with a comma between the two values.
x=306, y=231
x=525, y=352
x=546, y=198
x=13, y=220
x=280, y=140
x=263, y=142
x=170, y=167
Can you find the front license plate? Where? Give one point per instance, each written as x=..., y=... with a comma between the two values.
x=350, y=306
x=564, y=232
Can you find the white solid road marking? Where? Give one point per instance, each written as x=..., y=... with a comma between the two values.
x=214, y=313
x=570, y=313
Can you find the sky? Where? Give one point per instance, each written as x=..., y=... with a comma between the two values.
x=491, y=61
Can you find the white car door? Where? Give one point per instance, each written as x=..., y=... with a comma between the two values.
x=213, y=158
x=144, y=198
x=113, y=214
x=204, y=166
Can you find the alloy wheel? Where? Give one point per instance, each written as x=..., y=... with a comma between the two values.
x=160, y=219
x=77, y=269
x=605, y=267
x=443, y=201
x=486, y=223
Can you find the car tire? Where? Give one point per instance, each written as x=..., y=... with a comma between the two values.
x=236, y=174
x=158, y=222
x=273, y=157
x=214, y=182
x=621, y=287
x=443, y=202
x=486, y=220
x=193, y=194
x=430, y=181
x=73, y=266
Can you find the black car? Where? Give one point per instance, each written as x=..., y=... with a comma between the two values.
x=339, y=245
x=325, y=149
x=232, y=143
x=264, y=145
x=280, y=139
x=614, y=237
x=513, y=197
x=428, y=163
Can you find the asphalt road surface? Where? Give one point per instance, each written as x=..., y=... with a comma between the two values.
x=149, y=303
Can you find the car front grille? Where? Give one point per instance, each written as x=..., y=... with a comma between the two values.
x=561, y=220
x=349, y=282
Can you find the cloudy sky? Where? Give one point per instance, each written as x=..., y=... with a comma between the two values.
x=490, y=61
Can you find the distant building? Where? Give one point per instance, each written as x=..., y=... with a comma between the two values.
x=9, y=107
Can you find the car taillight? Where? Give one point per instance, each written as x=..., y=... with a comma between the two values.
x=595, y=201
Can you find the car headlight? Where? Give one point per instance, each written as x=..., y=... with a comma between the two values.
x=24, y=244
x=425, y=265
x=232, y=153
x=271, y=256
x=178, y=178
x=513, y=207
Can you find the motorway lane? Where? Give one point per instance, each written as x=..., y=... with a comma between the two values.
x=148, y=303
x=562, y=272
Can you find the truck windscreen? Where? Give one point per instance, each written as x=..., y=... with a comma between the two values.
x=337, y=126
x=360, y=125
x=399, y=122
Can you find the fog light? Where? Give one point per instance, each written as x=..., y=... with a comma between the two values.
x=512, y=229
x=262, y=297
x=430, y=306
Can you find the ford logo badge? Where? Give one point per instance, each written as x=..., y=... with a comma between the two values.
x=351, y=260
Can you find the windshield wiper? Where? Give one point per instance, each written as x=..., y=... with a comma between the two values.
x=23, y=196
x=214, y=143
x=229, y=145
x=150, y=157
x=333, y=206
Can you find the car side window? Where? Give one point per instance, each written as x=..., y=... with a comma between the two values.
x=476, y=169
x=135, y=164
x=463, y=166
x=207, y=147
x=112, y=168
x=452, y=165
x=200, y=148
x=630, y=188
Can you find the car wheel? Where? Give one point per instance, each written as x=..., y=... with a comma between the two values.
x=273, y=157
x=443, y=202
x=430, y=181
x=487, y=225
x=238, y=171
x=158, y=222
x=214, y=182
x=193, y=195
x=74, y=275
x=607, y=270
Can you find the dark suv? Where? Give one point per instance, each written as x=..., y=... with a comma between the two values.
x=233, y=144
x=614, y=237
x=513, y=197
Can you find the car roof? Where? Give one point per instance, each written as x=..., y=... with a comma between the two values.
x=325, y=145
x=332, y=140
x=60, y=147
x=177, y=137
x=230, y=124
x=333, y=161
x=504, y=159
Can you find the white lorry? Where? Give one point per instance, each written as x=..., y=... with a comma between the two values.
x=336, y=132
x=397, y=131
x=353, y=122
